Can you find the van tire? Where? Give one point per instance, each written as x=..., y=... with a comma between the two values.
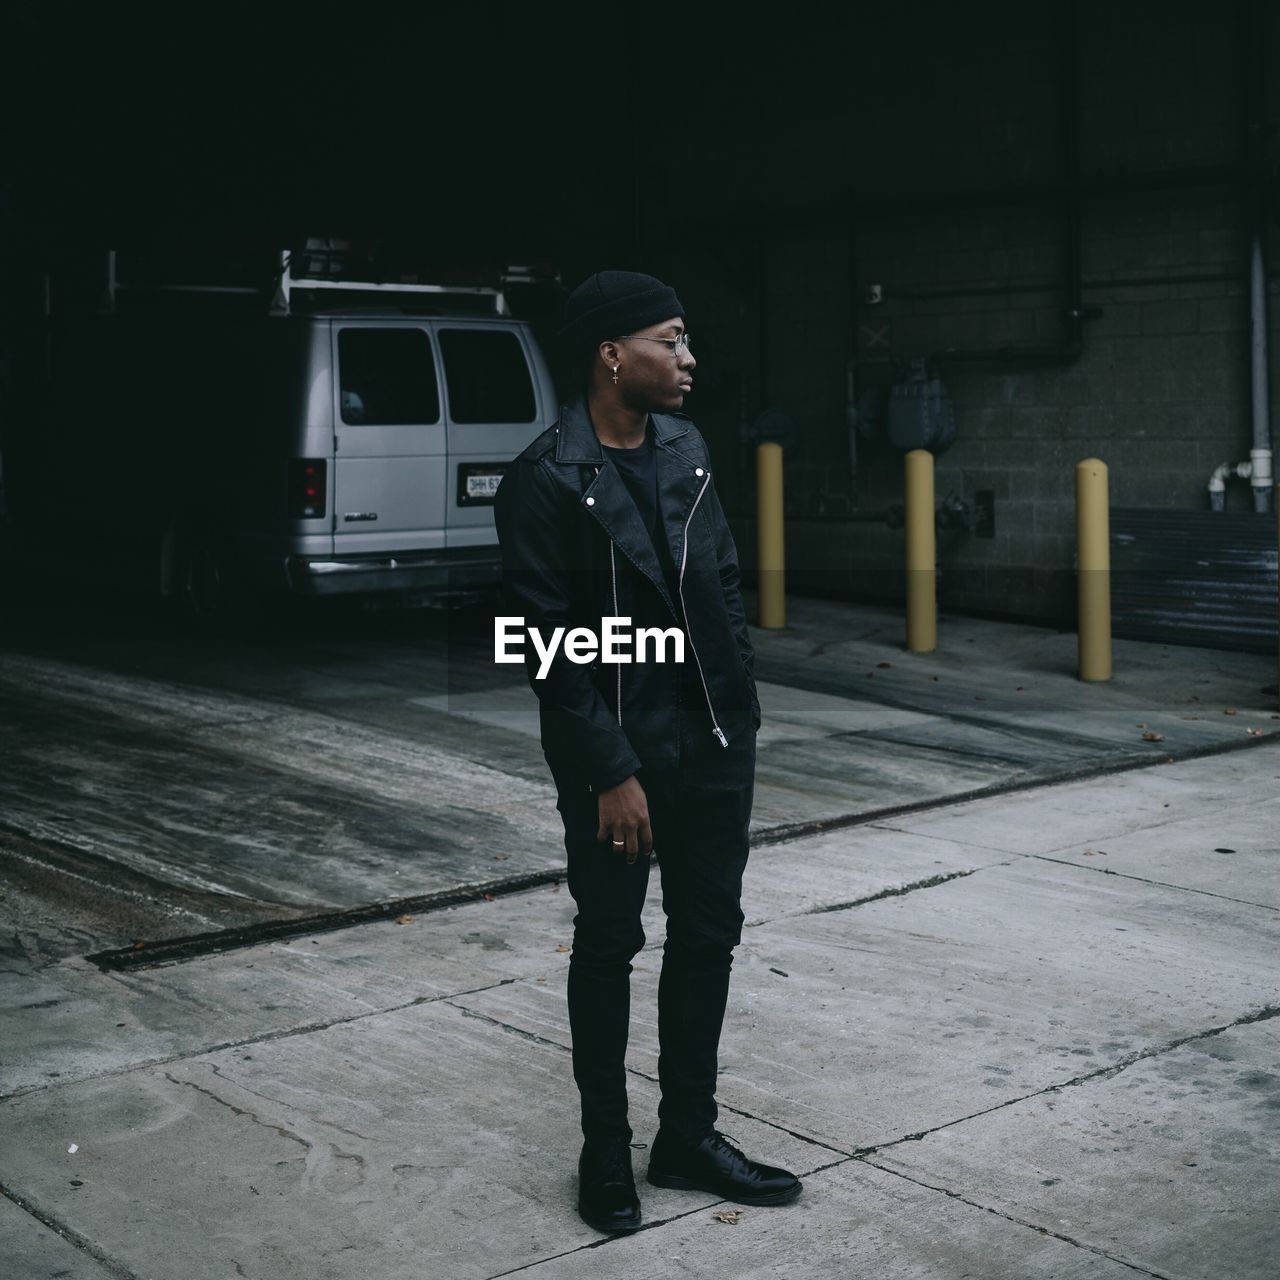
x=213, y=596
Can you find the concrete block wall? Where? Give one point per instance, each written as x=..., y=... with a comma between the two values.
x=1160, y=390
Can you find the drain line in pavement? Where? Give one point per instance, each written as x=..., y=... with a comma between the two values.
x=146, y=955
x=797, y=830
x=115, y=1269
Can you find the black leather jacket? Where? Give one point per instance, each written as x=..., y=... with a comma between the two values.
x=575, y=550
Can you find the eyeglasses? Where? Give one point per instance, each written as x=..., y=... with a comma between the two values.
x=677, y=346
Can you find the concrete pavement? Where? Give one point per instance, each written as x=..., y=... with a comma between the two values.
x=157, y=785
x=1028, y=1034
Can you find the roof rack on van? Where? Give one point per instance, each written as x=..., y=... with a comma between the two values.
x=319, y=268
x=322, y=274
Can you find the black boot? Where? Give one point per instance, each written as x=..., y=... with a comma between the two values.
x=607, y=1197
x=716, y=1165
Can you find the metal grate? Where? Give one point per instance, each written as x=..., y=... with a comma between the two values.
x=1194, y=577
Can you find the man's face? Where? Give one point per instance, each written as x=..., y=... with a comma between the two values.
x=656, y=377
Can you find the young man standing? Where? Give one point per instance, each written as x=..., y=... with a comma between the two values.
x=612, y=513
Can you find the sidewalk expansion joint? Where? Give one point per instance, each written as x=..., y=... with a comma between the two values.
x=1155, y=884
x=658, y=1222
x=603, y=1241
x=113, y=1268
x=648, y=1226
x=1020, y=1222
x=1264, y=1014
x=798, y=830
x=265, y=1037
x=531, y=1036
x=845, y=1156
x=727, y=1109
x=534, y=1038
x=1100, y=1073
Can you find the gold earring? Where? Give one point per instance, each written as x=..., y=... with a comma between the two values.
x=615, y=375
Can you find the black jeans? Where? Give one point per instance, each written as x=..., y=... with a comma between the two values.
x=699, y=814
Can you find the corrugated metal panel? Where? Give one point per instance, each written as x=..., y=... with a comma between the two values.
x=1194, y=577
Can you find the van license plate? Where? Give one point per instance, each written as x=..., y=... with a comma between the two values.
x=478, y=482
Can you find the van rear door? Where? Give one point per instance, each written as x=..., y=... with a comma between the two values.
x=493, y=409
x=389, y=469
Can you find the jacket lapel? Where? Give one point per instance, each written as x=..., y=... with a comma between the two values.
x=678, y=488
x=609, y=503
x=612, y=507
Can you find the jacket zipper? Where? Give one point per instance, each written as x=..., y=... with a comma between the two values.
x=613, y=571
x=684, y=555
x=613, y=574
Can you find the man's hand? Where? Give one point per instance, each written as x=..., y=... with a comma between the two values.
x=624, y=819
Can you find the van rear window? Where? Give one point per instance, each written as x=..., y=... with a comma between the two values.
x=487, y=376
x=388, y=377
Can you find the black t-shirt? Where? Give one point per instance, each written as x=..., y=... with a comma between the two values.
x=639, y=471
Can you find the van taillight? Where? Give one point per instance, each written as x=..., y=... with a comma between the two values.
x=306, y=488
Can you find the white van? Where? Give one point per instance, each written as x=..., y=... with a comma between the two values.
x=350, y=448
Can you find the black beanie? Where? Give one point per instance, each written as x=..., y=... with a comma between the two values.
x=610, y=304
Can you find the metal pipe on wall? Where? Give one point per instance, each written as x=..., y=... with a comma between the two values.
x=1259, y=355
x=1260, y=453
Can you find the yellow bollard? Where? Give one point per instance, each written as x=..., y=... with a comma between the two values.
x=922, y=607
x=1093, y=572
x=772, y=549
